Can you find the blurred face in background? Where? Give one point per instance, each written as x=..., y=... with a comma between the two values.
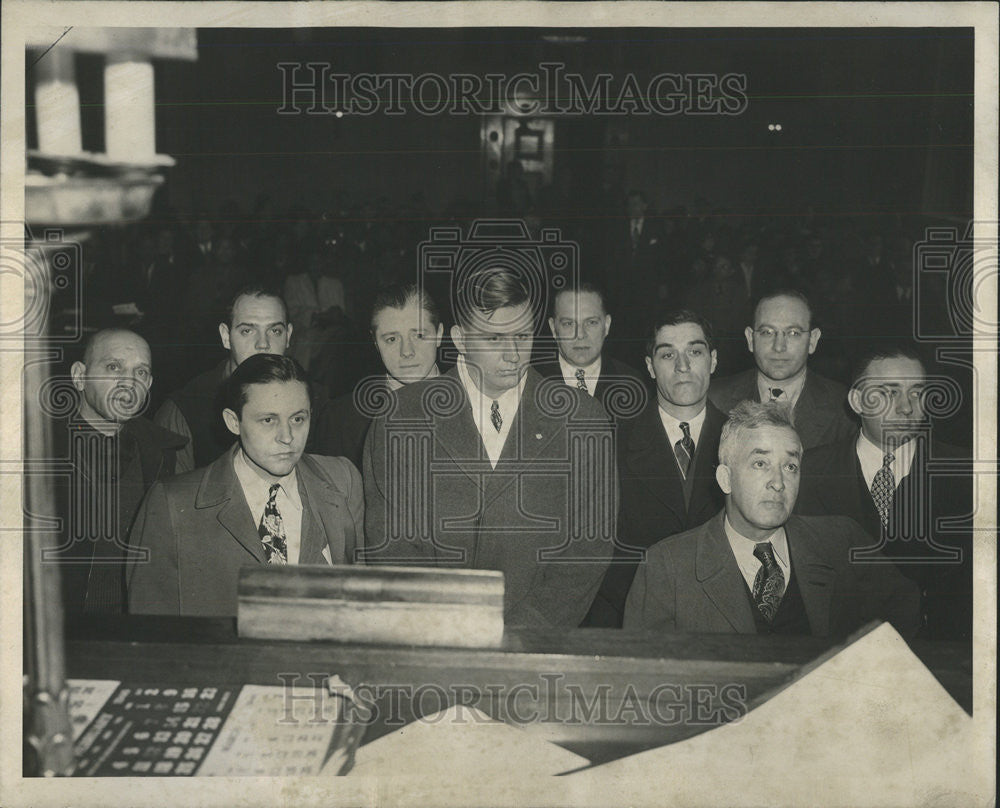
x=580, y=325
x=258, y=326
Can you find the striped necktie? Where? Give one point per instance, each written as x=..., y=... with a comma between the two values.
x=684, y=450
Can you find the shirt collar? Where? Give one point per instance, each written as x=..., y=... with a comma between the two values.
x=257, y=489
x=672, y=425
x=507, y=401
x=394, y=384
x=791, y=389
x=872, y=454
x=742, y=545
x=591, y=371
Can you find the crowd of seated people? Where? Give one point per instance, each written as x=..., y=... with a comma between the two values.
x=767, y=461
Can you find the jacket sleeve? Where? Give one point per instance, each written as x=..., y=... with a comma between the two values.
x=355, y=504
x=888, y=594
x=650, y=602
x=153, y=580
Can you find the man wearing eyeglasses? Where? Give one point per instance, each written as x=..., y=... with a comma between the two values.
x=492, y=467
x=781, y=340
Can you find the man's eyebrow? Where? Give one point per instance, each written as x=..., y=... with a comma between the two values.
x=671, y=345
x=255, y=324
x=759, y=450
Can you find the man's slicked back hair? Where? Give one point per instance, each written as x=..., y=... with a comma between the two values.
x=261, y=369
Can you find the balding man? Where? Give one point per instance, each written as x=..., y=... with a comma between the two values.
x=116, y=455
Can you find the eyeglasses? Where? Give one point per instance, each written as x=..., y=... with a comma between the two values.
x=765, y=332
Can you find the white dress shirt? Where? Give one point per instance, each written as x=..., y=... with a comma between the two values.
x=591, y=373
x=871, y=455
x=672, y=426
x=482, y=406
x=257, y=491
x=791, y=389
x=748, y=563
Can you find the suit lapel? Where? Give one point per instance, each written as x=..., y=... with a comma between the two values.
x=651, y=460
x=814, y=574
x=455, y=434
x=326, y=521
x=706, y=457
x=235, y=517
x=720, y=577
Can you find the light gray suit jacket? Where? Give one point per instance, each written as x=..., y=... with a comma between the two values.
x=198, y=531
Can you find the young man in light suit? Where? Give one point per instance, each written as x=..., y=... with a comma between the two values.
x=262, y=502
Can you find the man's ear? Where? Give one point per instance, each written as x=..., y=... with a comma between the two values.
x=814, y=336
x=458, y=338
x=552, y=326
x=748, y=333
x=649, y=368
x=607, y=324
x=288, y=339
x=224, y=335
x=715, y=361
x=723, y=476
x=232, y=420
x=440, y=335
x=78, y=372
x=854, y=399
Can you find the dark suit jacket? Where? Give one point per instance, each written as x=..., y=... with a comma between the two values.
x=92, y=551
x=833, y=484
x=199, y=531
x=691, y=582
x=652, y=501
x=341, y=425
x=545, y=517
x=821, y=414
x=621, y=389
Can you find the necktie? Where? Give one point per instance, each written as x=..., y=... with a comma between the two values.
x=883, y=487
x=769, y=585
x=684, y=449
x=776, y=393
x=272, y=530
x=495, y=416
x=581, y=382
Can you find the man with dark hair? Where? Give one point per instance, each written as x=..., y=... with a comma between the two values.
x=116, y=455
x=256, y=322
x=756, y=569
x=580, y=324
x=262, y=502
x=880, y=478
x=667, y=457
x=407, y=330
x=490, y=466
x=781, y=339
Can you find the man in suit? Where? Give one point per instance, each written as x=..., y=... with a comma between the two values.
x=879, y=477
x=490, y=466
x=256, y=322
x=753, y=568
x=635, y=278
x=262, y=502
x=668, y=455
x=781, y=340
x=580, y=324
x=115, y=455
x=407, y=330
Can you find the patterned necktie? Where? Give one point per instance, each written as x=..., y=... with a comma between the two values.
x=495, y=416
x=883, y=487
x=769, y=585
x=684, y=449
x=272, y=530
x=776, y=393
x=581, y=382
